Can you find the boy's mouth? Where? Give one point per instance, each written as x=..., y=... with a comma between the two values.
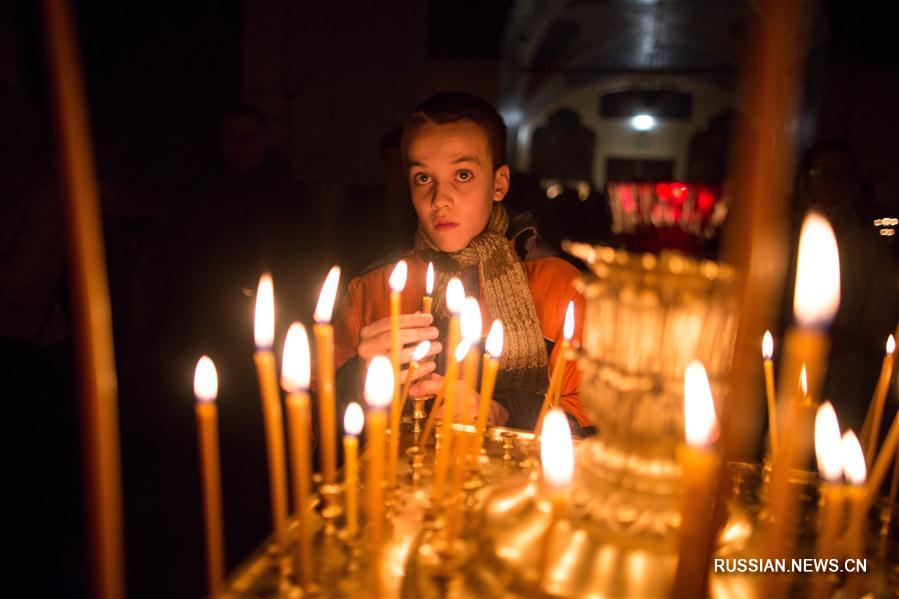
x=445, y=225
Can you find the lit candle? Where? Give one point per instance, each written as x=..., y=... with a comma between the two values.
x=855, y=472
x=324, y=348
x=471, y=328
x=264, y=335
x=876, y=407
x=700, y=463
x=442, y=460
x=428, y=299
x=205, y=390
x=397, y=284
x=803, y=383
x=378, y=394
x=295, y=374
x=418, y=354
x=353, y=421
x=828, y=451
x=553, y=392
x=557, y=460
x=455, y=300
x=494, y=347
x=767, y=355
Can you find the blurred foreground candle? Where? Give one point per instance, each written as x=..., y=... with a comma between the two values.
x=378, y=394
x=557, y=460
x=324, y=348
x=829, y=454
x=397, y=284
x=455, y=300
x=418, y=354
x=471, y=328
x=205, y=390
x=700, y=463
x=768, y=362
x=460, y=446
x=295, y=375
x=428, y=299
x=855, y=472
x=554, y=391
x=444, y=452
x=494, y=347
x=264, y=335
x=803, y=383
x=883, y=461
x=876, y=407
x=353, y=421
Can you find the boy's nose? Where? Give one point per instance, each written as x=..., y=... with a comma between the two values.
x=441, y=196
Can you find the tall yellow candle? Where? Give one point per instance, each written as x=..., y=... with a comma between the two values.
x=883, y=461
x=877, y=403
x=418, y=354
x=828, y=451
x=324, y=348
x=855, y=472
x=206, y=390
x=494, y=347
x=455, y=300
x=397, y=284
x=701, y=464
x=264, y=334
x=378, y=394
x=428, y=300
x=557, y=460
x=444, y=453
x=553, y=393
x=768, y=363
x=353, y=421
x=471, y=328
x=295, y=375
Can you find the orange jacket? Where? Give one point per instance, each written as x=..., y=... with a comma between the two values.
x=368, y=300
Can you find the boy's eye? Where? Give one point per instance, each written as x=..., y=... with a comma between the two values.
x=421, y=178
x=464, y=175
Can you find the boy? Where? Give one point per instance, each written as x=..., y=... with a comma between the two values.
x=453, y=148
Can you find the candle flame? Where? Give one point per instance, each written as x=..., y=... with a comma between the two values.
x=828, y=446
x=803, y=381
x=455, y=295
x=817, y=292
x=421, y=350
x=556, y=450
x=700, y=420
x=206, y=381
x=295, y=364
x=325, y=306
x=568, y=328
x=494, y=343
x=462, y=350
x=379, y=382
x=767, y=346
x=470, y=321
x=429, y=279
x=264, y=325
x=891, y=344
x=398, y=276
x=353, y=419
x=853, y=459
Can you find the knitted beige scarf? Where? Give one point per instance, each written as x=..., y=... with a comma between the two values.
x=504, y=287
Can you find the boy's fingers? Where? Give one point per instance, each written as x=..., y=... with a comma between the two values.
x=428, y=387
x=406, y=352
x=417, y=335
x=423, y=370
x=405, y=321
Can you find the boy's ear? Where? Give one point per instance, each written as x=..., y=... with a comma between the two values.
x=500, y=183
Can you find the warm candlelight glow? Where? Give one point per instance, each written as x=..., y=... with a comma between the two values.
x=817, y=293
x=206, y=381
x=429, y=280
x=891, y=344
x=462, y=350
x=455, y=296
x=325, y=306
x=264, y=326
x=295, y=364
x=353, y=419
x=853, y=460
x=494, y=343
x=379, y=382
x=700, y=421
x=568, y=328
x=828, y=446
x=556, y=450
x=398, y=276
x=767, y=346
x=470, y=320
x=421, y=350
x=803, y=381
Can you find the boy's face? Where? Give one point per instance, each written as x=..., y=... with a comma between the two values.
x=452, y=182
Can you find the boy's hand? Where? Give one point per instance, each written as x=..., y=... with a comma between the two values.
x=497, y=415
x=374, y=339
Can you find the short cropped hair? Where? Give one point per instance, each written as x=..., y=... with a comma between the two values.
x=451, y=107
